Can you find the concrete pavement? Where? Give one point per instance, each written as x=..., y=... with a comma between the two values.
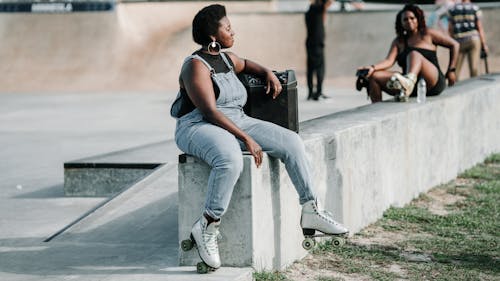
x=39, y=132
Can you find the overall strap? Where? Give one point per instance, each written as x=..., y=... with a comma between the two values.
x=225, y=59
x=210, y=68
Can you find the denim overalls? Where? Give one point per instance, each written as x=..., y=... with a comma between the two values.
x=223, y=151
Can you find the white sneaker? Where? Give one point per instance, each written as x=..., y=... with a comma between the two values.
x=315, y=219
x=406, y=83
x=206, y=241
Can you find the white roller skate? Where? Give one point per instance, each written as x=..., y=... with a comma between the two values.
x=204, y=236
x=315, y=219
x=403, y=83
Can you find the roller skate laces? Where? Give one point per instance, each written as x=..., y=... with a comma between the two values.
x=404, y=83
x=314, y=219
x=205, y=236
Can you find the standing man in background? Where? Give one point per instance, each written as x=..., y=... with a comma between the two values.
x=466, y=27
x=315, y=45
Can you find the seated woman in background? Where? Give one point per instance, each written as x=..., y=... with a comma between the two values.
x=212, y=126
x=414, y=49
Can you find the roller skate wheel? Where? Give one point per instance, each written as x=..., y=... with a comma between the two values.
x=202, y=267
x=308, y=243
x=187, y=245
x=337, y=241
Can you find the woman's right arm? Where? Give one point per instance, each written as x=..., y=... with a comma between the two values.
x=386, y=63
x=195, y=78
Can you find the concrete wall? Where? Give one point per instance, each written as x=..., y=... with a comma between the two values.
x=364, y=161
x=140, y=46
x=386, y=154
x=260, y=228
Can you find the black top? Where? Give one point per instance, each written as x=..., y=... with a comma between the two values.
x=315, y=26
x=215, y=61
x=430, y=55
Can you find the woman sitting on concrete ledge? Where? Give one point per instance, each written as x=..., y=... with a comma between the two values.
x=212, y=126
x=414, y=49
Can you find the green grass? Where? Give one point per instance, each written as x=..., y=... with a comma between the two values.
x=269, y=276
x=462, y=245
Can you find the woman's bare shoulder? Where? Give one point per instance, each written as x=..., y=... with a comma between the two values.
x=396, y=43
x=234, y=57
x=238, y=62
x=432, y=33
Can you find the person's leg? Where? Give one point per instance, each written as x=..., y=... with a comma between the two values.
x=222, y=152
x=310, y=72
x=421, y=67
x=377, y=83
x=320, y=72
x=418, y=65
x=474, y=56
x=460, y=60
x=289, y=148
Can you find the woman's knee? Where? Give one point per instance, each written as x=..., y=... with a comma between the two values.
x=231, y=161
x=378, y=77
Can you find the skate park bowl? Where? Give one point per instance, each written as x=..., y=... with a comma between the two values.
x=141, y=46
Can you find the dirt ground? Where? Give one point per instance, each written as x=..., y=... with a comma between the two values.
x=325, y=266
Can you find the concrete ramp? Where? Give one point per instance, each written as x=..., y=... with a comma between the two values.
x=145, y=216
x=88, y=51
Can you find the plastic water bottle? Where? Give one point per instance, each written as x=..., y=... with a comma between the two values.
x=421, y=90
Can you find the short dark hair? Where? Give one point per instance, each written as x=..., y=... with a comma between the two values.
x=419, y=14
x=206, y=23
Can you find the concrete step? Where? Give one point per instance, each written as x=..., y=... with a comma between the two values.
x=108, y=174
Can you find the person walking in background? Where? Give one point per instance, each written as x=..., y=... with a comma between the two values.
x=315, y=46
x=466, y=27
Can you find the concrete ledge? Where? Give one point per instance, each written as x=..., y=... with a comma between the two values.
x=364, y=161
x=108, y=174
x=255, y=230
x=100, y=182
x=388, y=153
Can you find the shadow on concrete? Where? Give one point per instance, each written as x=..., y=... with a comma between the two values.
x=143, y=241
x=54, y=191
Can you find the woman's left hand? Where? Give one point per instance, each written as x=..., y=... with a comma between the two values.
x=452, y=77
x=273, y=84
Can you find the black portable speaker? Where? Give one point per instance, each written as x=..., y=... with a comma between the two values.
x=283, y=110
